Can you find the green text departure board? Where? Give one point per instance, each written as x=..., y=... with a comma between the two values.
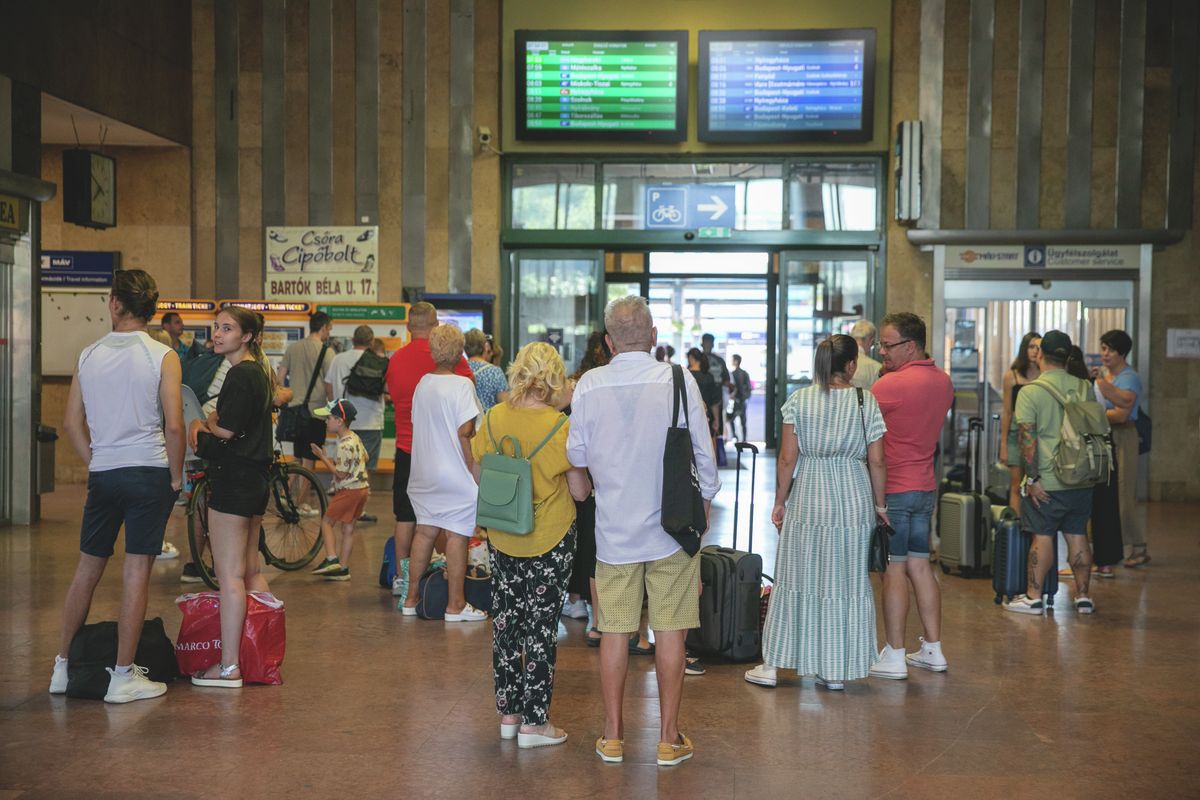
x=624, y=85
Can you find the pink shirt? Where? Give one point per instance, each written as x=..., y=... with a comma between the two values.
x=914, y=400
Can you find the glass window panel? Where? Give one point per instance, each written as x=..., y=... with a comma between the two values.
x=556, y=294
x=833, y=196
x=758, y=191
x=824, y=296
x=1098, y=321
x=553, y=196
x=668, y=263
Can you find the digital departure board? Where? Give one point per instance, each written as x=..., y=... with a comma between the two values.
x=787, y=86
x=626, y=85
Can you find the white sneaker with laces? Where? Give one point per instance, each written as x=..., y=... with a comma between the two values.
x=1022, y=604
x=576, y=610
x=928, y=657
x=169, y=551
x=134, y=686
x=762, y=675
x=58, y=678
x=890, y=664
x=469, y=614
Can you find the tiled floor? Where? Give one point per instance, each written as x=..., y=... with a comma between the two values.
x=376, y=705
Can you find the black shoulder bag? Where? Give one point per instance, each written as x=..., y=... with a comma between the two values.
x=292, y=417
x=878, y=555
x=682, y=506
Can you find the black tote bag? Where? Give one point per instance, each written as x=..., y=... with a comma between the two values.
x=682, y=506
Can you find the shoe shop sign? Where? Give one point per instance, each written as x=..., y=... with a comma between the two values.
x=322, y=264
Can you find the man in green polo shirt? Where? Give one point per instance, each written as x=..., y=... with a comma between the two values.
x=1051, y=505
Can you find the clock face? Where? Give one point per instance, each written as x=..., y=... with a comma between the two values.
x=103, y=191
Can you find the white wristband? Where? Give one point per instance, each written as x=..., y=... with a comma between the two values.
x=881, y=510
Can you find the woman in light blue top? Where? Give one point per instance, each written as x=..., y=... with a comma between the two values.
x=1119, y=389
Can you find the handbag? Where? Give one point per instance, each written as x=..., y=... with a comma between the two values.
x=878, y=554
x=682, y=505
x=1145, y=431
x=292, y=417
x=506, y=484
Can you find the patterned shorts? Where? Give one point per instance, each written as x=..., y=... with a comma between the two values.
x=672, y=585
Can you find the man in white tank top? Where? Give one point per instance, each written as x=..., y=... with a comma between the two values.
x=125, y=419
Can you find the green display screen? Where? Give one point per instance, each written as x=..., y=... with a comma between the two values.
x=595, y=86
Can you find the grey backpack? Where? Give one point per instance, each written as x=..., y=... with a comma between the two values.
x=1084, y=456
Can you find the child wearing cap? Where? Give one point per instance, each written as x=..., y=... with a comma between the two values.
x=350, y=485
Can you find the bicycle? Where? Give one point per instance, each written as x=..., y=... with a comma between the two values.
x=287, y=539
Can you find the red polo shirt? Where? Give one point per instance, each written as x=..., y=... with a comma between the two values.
x=405, y=370
x=914, y=400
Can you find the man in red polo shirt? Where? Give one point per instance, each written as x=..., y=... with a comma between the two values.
x=914, y=396
x=405, y=370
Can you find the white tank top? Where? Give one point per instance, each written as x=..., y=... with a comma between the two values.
x=119, y=381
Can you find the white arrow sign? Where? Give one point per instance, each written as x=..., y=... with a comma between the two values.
x=717, y=207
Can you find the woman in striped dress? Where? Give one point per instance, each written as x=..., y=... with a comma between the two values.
x=821, y=620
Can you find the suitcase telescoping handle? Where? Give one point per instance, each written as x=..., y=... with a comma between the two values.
x=737, y=491
x=974, y=446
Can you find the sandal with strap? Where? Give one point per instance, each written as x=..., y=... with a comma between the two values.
x=592, y=641
x=224, y=679
x=1137, y=559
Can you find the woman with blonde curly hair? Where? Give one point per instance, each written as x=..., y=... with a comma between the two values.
x=440, y=485
x=530, y=572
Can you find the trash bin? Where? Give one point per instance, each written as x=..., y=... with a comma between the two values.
x=46, y=437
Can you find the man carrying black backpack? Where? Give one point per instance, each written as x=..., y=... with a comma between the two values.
x=358, y=376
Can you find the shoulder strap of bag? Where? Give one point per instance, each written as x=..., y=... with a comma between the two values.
x=862, y=417
x=1055, y=393
x=678, y=392
x=561, y=419
x=312, y=381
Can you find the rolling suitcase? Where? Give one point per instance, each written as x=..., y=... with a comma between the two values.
x=1010, y=558
x=731, y=581
x=965, y=518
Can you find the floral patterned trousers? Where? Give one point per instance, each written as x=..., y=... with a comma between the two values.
x=527, y=599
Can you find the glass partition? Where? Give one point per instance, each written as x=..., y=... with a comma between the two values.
x=758, y=191
x=555, y=298
x=554, y=196
x=833, y=196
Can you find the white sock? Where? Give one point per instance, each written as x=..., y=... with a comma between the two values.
x=124, y=671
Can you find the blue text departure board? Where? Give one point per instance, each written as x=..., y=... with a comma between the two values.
x=786, y=89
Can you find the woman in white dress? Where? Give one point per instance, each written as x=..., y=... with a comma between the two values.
x=442, y=490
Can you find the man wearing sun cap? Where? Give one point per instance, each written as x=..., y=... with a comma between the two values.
x=350, y=485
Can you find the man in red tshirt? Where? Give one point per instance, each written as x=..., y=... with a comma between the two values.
x=914, y=396
x=405, y=370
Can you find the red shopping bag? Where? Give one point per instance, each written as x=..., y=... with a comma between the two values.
x=198, y=645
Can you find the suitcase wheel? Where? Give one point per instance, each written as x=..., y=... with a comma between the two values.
x=945, y=569
x=997, y=599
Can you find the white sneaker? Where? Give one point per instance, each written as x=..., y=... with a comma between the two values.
x=169, y=551
x=890, y=664
x=308, y=511
x=928, y=657
x=1021, y=604
x=469, y=614
x=762, y=675
x=58, y=678
x=576, y=610
x=1084, y=604
x=833, y=686
x=134, y=686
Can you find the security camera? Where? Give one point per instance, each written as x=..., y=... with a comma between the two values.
x=485, y=135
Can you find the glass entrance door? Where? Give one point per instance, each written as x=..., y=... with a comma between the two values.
x=555, y=297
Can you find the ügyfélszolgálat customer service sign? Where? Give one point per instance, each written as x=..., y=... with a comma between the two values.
x=320, y=264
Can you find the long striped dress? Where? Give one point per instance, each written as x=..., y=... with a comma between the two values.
x=821, y=619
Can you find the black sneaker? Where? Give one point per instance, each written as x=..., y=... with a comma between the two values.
x=337, y=573
x=693, y=666
x=326, y=565
x=368, y=518
x=190, y=573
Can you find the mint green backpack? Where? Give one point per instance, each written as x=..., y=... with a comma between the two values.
x=506, y=484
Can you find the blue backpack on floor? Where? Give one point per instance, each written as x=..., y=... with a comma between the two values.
x=387, y=571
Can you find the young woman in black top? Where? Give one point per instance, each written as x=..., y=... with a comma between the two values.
x=235, y=440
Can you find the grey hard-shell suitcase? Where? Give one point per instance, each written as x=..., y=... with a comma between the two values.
x=731, y=582
x=965, y=518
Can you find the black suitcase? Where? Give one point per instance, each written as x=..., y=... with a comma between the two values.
x=731, y=581
x=1010, y=559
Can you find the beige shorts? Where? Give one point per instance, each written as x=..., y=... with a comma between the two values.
x=672, y=585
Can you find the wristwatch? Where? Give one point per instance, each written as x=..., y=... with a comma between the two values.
x=1025, y=484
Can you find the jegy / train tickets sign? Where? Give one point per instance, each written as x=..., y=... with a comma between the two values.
x=322, y=264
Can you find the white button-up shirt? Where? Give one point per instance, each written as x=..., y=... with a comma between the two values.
x=619, y=419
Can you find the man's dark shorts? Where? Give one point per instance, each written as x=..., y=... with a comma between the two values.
x=308, y=433
x=140, y=498
x=401, y=506
x=1067, y=510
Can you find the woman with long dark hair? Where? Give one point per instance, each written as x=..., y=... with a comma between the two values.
x=1025, y=369
x=235, y=440
x=821, y=620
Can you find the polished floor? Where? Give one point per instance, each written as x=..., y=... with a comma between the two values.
x=375, y=705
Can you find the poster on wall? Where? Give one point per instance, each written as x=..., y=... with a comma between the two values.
x=319, y=264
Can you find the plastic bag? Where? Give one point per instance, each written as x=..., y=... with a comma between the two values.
x=198, y=645
x=479, y=560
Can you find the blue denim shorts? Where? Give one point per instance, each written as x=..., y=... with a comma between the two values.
x=140, y=498
x=911, y=514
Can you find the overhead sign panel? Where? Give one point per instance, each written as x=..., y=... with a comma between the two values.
x=79, y=269
x=692, y=205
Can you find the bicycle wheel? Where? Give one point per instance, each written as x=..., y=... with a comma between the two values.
x=197, y=517
x=289, y=540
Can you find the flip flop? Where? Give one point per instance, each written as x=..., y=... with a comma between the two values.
x=592, y=641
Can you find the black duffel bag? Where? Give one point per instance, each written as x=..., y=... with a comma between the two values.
x=95, y=647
